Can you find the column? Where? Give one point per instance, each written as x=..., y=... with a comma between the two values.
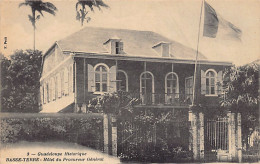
x=229, y=136
x=105, y=126
x=195, y=136
x=201, y=136
x=114, y=135
x=239, y=138
x=233, y=136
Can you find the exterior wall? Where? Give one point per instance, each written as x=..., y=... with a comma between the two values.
x=52, y=59
x=56, y=92
x=134, y=69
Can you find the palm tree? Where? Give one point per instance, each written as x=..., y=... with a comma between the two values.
x=38, y=5
x=82, y=12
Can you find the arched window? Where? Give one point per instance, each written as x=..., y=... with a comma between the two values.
x=101, y=78
x=122, y=80
x=211, y=87
x=147, y=87
x=171, y=83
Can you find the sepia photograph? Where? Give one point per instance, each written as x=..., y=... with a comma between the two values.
x=129, y=81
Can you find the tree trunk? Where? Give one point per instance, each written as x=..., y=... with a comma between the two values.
x=34, y=21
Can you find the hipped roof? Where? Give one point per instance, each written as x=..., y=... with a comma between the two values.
x=136, y=43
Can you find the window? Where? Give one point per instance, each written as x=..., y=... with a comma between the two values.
x=117, y=47
x=71, y=78
x=188, y=87
x=66, y=81
x=147, y=82
x=53, y=88
x=48, y=91
x=59, y=85
x=147, y=88
x=211, y=82
x=122, y=81
x=171, y=87
x=101, y=78
x=42, y=94
x=172, y=83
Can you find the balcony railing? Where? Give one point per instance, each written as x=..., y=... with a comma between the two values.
x=165, y=99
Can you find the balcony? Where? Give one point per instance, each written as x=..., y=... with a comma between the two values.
x=163, y=100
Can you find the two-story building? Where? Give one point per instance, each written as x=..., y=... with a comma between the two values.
x=94, y=61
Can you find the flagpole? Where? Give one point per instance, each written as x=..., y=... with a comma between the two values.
x=196, y=60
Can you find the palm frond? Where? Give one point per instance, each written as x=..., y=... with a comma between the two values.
x=23, y=4
x=78, y=16
x=100, y=3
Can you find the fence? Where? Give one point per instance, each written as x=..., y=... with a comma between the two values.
x=216, y=134
x=162, y=140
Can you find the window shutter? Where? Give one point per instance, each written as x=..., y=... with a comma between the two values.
x=203, y=83
x=62, y=82
x=45, y=93
x=66, y=81
x=121, y=47
x=53, y=88
x=59, y=84
x=219, y=82
x=112, y=79
x=71, y=79
x=41, y=92
x=91, y=75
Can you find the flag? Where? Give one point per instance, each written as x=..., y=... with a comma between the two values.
x=214, y=24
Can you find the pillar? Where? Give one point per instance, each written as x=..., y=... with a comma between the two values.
x=201, y=136
x=239, y=138
x=194, y=124
x=110, y=134
x=114, y=135
x=233, y=136
x=229, y=136
x=105, y=127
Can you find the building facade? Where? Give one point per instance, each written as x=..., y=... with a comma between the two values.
x=151, y=67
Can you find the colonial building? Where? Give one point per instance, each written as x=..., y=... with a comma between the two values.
x=151, y=67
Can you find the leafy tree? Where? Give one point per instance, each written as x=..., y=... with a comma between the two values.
x=21, y=81
x=241, y=86
x=117, y=103
x=39, y=6
x=82, y=12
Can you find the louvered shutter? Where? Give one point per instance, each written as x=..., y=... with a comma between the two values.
x=91, y=75
x=203, y=83
x=71, y=79
x=219, y=82
x=45, y=93
x=59, y=85
x=112, y=79
x=66, y=81
x=62, y=82
x=121, y=47
x=53, y=88
x=41, y=92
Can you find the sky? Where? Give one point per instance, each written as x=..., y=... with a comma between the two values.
x=176, y=19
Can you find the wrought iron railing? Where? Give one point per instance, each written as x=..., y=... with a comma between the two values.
x=175, y=99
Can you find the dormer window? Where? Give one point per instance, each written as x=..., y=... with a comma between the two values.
x=114, y=46
x=117, y=47
x=163, y=49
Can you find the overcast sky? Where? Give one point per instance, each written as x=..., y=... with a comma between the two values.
x=175, y=19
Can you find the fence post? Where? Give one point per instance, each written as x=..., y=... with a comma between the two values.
x=201, y=136
x=194, y=124
x=114, y=135
x=229, y=135
x=106, y=141
x=239, y=138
